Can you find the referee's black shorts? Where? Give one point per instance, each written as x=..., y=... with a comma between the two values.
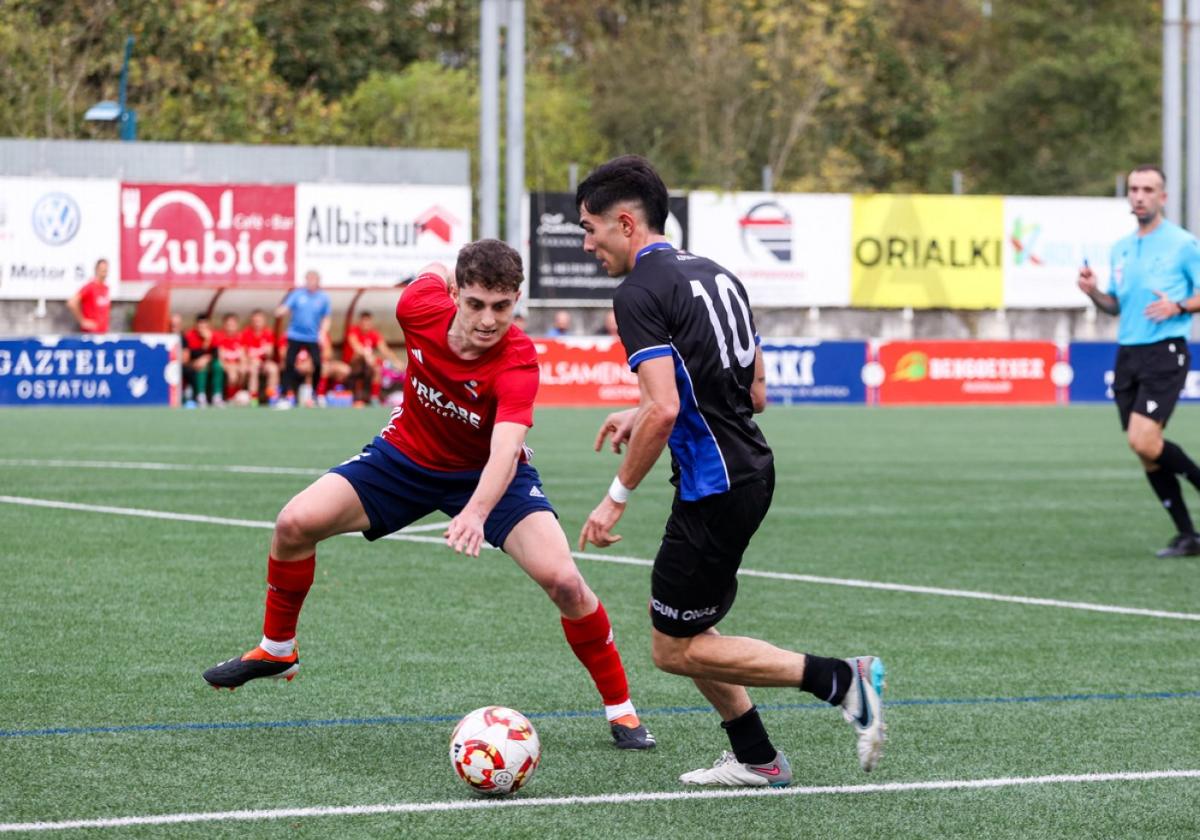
x=695, y=572
x=1148, y=378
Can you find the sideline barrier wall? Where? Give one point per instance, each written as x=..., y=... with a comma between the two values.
x=90, y=370
x=594, y=372
x=1092, y=365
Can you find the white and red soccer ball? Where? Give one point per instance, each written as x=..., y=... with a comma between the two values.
x=495, y=750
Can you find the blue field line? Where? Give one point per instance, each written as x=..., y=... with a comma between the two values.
x=401, y=720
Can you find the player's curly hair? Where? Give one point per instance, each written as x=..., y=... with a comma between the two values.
x=626, y=178
x=489, y=264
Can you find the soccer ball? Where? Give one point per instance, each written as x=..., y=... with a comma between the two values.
x=495, y=750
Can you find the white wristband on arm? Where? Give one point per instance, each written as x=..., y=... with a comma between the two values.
x=618, y=492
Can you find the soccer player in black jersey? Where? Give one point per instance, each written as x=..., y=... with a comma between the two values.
x=688, y=330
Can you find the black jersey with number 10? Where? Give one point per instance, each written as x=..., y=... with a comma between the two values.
x=689, y=308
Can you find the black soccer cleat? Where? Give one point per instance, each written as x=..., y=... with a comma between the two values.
x=632, y=737
x=255, y=664
x=1183, y=545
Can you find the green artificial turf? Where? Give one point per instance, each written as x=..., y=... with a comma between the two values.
x=107, y=619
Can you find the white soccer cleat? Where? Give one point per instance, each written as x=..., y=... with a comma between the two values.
x=727, y=771
x=862, y=707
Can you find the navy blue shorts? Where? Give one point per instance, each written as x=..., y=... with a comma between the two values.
x=395, y=492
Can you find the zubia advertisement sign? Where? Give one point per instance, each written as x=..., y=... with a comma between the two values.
x=90, y=370
x=932, y=372
x=227, y=234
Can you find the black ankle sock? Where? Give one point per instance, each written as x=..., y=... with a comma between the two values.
x=828, y=679
x=1178, y=462
x=1166, y=487
x=748, y=737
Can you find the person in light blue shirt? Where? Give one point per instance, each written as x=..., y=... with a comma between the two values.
x=309, y=308
x=1153, y=287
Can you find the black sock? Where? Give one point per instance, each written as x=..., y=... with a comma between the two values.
x=828, y=679
x=1178, y=462
x=1166, y=487
x=748, y=737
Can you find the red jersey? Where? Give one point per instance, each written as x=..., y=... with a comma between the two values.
x=369, y=339
x=231, y=346
x=195, y=342
x=258, y=344
x=451, y=404
x=94, y=304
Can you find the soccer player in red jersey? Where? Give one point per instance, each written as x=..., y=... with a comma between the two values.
x=456, y=444
x=91, y=304
x=261, y=368
x=364, y=350
x=201, y=354
x=233, y=355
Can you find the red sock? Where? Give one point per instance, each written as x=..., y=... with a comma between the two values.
x=287, y=586
x=376, y=389
x=591, y=639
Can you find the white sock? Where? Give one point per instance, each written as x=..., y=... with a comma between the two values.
x=619, y=710
x=278, y=648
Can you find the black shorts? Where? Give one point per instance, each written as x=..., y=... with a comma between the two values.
x=1148, y=378
x=695, y=572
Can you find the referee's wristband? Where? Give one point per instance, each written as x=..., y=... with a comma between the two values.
x=618, y=492
x=1183, y=310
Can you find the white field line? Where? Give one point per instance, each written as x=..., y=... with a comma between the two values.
x=193, y=517
x=603, y=799
x=639, y=561
x=157, y=466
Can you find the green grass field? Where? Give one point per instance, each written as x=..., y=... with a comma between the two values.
x=107, y=619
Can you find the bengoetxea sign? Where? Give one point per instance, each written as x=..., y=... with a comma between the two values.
x=970, y=371
x=90, y=370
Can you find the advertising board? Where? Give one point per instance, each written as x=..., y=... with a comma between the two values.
x=90, y=370
x=214, y=234
x=52, y=232
x=378, y=235
x=933, y=372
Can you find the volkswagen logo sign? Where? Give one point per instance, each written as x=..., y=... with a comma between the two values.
x=56, y=218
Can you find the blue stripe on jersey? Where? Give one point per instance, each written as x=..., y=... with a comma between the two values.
x=702, y=470
x=651, y=248
x=649, y=353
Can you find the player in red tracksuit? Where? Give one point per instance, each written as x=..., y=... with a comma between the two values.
x=456, y=444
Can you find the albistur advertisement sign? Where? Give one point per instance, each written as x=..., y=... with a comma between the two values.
x=368, y=235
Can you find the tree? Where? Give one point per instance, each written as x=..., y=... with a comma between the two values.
x=1059, y=103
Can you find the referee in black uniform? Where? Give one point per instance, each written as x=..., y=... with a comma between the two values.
x=688, y=330
x=1152, y=286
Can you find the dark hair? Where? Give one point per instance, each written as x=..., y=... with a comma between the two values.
x=626, y=178
x=362, y=315
x=202, y=316
x=1150, y=167
x=101, y=260
x=491, y=264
